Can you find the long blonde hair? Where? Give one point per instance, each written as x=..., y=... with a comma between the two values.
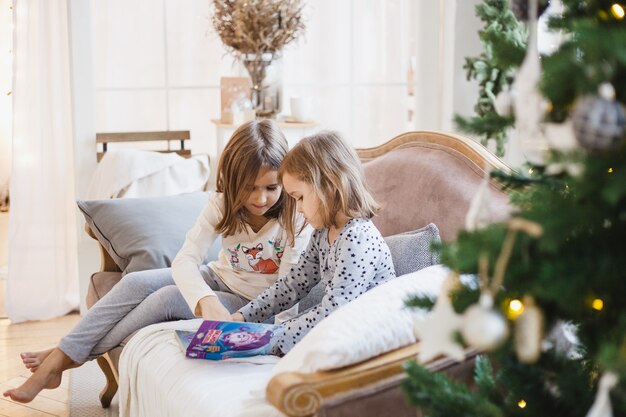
x=332, y=168
x=254, y=145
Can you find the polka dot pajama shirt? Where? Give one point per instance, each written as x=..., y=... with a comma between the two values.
x=357, y=261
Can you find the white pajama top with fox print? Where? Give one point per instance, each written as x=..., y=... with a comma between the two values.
x=248, y=262
x=358, y=260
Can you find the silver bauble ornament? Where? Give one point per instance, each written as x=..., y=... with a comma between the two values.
x=599, y=121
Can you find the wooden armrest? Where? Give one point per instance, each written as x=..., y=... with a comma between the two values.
x=107, y=264
x=303, y=394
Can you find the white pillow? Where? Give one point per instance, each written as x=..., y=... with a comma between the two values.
x=375, y=323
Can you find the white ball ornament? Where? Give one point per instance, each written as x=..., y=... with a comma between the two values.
x=483, y=327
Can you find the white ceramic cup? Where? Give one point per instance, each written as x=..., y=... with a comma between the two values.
x=300, y=108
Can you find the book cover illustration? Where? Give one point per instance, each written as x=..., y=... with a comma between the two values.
x=217, y=340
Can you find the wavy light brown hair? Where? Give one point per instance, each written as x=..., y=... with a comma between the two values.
x=254, y=145
x=332, y=168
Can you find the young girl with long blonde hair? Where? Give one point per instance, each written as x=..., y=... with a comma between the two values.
x=247, y=211
x=323, y=176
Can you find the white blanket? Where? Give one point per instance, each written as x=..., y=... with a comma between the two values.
x=157, y=380
x=136, y=173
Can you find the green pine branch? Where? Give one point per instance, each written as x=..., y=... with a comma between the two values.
x=504, y=42
x=439, y=396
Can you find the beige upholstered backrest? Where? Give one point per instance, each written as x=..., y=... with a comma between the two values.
x=424, y=177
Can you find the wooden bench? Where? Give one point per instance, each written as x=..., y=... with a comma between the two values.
x=159, y=136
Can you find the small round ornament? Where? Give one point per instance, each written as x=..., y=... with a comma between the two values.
x=520, y=8
x=529, y=332
x=503, y=103
x=599, y=121
x=483, y=327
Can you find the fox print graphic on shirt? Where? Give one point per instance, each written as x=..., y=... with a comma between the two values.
x=257, y=262
x=246, y=274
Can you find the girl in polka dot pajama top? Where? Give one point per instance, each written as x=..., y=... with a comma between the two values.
x=323, y=175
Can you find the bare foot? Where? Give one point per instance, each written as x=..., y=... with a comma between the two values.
x=32, y=360
x=47, y=376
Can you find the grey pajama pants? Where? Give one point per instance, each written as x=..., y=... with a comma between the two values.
x=138, y=300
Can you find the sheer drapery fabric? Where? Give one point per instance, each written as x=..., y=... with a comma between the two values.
x=42, y=280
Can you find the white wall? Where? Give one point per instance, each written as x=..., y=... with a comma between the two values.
x=83, y=109
x=466, y=43
x=157, y=65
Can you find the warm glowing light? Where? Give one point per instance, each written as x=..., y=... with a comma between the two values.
x=597, y=304
x=610, y=170
x=618, y=11
x=516, y=307
x=530, y=170
x=521, y=404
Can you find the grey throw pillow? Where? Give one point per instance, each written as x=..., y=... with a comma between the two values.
x=410, y=252
x=144, y=233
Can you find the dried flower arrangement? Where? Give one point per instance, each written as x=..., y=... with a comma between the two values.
x=257, y=26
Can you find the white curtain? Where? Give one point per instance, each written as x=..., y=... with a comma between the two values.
x=42, y=280
x=5, y=107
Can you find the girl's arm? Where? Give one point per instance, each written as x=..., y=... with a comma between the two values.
x=198, y=241
x=360, y=257
x=288, y=289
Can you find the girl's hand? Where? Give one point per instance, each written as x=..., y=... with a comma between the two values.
x=212, y=309
x=237, y=317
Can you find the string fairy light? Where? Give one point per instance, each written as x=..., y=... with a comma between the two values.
x=597, y=304
x=515, y=308
x=617, y=10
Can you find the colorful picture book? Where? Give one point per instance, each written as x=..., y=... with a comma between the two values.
x=217, y=340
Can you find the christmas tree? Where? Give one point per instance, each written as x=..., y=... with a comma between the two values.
x=545, y=301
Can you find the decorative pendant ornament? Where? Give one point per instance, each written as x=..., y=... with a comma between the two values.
x=564, y=340
x=483, y=327
x=529, y=332
x=601, y=406
x=436, y=331
x=599, y=121
x=561, y=136
x=520, y=8
x=503, y=104
x=529, y=104
x=478, y=215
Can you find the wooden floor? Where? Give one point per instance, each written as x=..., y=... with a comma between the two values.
x=31, y=336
